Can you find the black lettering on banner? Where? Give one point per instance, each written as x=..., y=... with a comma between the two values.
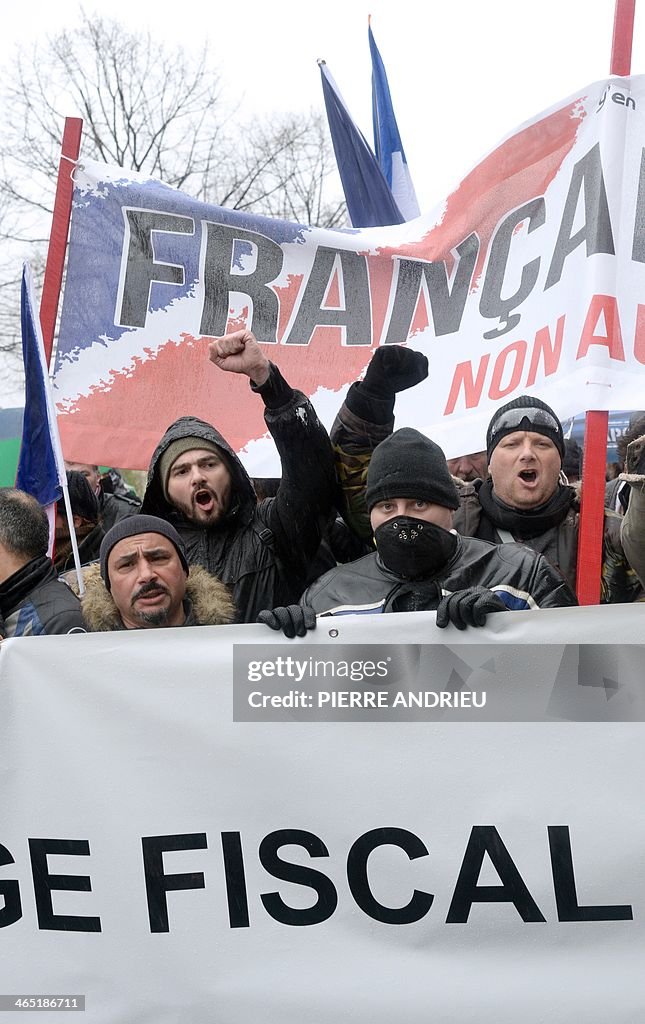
x=327, y=900
x=141, y=271
x=220, y=281
x=638, y=243
x=236, y=895
x=564, y=884
x=356, y=317
x=485, y=839
x=158, y=883
x=357, y=859
x=492, y=304
x=446, y=303
x=45, y=883
x=596, y=230
x=9, y=892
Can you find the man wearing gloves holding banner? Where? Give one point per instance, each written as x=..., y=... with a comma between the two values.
x=420, y=562
x=524, y=499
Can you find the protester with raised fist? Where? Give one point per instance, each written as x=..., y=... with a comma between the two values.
x=420, y=562
x=196, y=482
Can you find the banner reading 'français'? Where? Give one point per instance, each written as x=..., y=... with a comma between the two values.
x=530, y=277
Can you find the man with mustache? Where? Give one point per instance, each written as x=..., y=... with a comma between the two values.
x=143, y=581
x=260, y=550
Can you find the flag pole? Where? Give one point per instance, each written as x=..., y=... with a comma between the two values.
x=54, y=266
x=54, y=436
x=592, y=507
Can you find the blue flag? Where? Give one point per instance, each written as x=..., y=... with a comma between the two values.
x=38, y=472
x=387, y=141
x=369, y=199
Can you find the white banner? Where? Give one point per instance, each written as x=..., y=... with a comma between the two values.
x=169, y=863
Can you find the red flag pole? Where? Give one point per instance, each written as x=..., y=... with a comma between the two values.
x=60, y=229
x=595, y=447
x=621, y=44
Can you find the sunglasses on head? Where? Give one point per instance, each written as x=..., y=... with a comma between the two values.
x=512, y=419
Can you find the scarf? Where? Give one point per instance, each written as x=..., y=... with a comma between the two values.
x=523, y=524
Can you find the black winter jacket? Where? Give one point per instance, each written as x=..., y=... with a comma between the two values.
x=34, y=602
x=522, y=579
x=260, y=551
x=364, y=421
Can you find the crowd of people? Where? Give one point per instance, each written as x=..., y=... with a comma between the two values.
x=368, y=521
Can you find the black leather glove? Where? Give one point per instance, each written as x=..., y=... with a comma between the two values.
x=294, y=620
x=394, y=368
x=468, y=607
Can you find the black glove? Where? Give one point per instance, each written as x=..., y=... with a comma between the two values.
x=294, y=620
x=468, y=607
x=394, y=368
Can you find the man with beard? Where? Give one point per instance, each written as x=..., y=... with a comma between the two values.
x=143, y=581
x=196, y=482
x=420, y=562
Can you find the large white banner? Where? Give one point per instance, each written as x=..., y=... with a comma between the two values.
x=528, y=278
x=168, y=862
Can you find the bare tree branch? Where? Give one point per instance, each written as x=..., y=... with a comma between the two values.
x=153, y=110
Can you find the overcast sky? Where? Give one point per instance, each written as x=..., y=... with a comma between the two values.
x=462, y=74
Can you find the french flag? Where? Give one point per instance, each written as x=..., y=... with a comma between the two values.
x=369, y=199
x=387, y=141
x=41, y=468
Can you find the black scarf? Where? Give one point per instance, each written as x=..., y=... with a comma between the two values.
x=15, y=589
x=522, y=524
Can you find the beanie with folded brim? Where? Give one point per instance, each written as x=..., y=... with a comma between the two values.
x=524, y=413
x=409, y=465
x=131, y=527
x=179, y=447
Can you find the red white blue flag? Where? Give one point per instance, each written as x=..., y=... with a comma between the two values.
x=527, y=279
x=41, y=469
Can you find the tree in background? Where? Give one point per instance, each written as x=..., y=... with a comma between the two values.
x=151, y=109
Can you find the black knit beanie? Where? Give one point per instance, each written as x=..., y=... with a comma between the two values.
x=81, y=497
x=409, y=465
x=133, y=525
x=538, y=418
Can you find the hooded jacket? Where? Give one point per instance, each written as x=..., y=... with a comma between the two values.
x=522, y=579
x=207, y=603
x=34, y=602
x=260, y=551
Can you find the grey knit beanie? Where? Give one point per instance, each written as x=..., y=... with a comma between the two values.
x=130, y=527
x=177, y=448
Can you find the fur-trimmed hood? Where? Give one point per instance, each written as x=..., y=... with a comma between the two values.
x=212, y=605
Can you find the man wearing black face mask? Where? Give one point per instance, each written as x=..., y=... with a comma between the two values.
x=420, y=563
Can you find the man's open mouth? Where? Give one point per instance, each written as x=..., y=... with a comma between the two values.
x=204, y=499
x=529, y=476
